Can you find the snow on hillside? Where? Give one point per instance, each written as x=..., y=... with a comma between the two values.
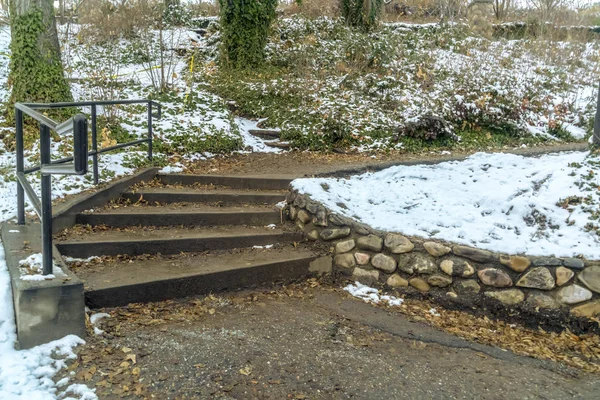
x=501, y=202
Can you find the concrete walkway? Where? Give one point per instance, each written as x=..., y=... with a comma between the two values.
x=315, y=343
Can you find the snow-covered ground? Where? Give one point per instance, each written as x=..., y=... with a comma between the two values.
x=28, y=374
x=500, y=202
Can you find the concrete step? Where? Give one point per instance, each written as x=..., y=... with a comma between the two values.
x=117, y=283
x=261, y=182
x=268, y=134
x=188, y=215
x=111, y=242
x=188, y=195
x=279, y=145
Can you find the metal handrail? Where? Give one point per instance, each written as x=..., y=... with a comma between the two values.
x=48, y=167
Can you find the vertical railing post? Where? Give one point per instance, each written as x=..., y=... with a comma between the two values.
x=596, y=137
x=46, y=201
x=94, y=145
x=150, y=131
x=20, y=166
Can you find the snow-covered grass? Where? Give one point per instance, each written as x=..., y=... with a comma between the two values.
x=508, y=203
x=326, y=85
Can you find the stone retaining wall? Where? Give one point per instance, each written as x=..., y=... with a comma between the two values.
x=559, y=286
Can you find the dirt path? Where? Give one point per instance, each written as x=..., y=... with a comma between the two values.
x=297, y=164
x=305, y=342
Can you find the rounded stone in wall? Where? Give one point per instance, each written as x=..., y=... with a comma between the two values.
x=370, y=242
x=439, y=280
x=591, y=278
x=573, y=294
x=366, y=277
x=542, y=300
x=384, y=263
x=537, y=278
x=466, y=287
x=396, y=281
x=494, y=277
x=419, y=284
x=398, y=244
x=509, y=297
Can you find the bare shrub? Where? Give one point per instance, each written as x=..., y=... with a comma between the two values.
x=312, y=8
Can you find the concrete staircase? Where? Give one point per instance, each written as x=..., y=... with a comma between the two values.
x=182, y=235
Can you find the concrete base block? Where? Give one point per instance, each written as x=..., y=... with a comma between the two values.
x=44, y=310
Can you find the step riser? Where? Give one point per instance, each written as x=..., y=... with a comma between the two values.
x=262, y=275
x=234, y=182
x=186, y=219
x=172, y=246
x=242, y=198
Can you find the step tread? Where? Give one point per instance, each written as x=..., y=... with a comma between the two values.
x=122, y=273
x=205, y=190
x=185, y=208
x=167, y=233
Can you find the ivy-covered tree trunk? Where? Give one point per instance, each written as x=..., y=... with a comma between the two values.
x=245, y=28
x=36, y=72
x=362, y=14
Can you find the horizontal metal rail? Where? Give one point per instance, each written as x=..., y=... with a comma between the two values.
x=90, y=153
x=79, y=126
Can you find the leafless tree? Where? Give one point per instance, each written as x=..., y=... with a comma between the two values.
x=547, y=8
x=501, y=8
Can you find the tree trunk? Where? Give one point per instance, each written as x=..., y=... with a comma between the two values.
x=36, y=72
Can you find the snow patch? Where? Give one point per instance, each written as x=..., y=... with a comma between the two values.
x=500, y=202
x=371, y=295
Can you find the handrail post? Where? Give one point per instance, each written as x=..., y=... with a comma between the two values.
x=94, y=145
x=20, y=166
x=150, y=130
x=45, y=159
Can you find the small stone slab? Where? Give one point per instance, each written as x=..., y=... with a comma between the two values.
x=516, y=263
x=345, y=260
x=398, y=244
x=573, y=294
x=396, y=281
x=313, y=235
x=575, y=263
x=304, y=216
x=589, y=310
x=335, y=233
x=436, y=249
x=362, y=258
x=419, y=284
x=366, y=277
x=509, y=297
x=466, y=287
x=320, y=218
x=537, y=278
x=473, y=253
x=384, y=263
x=439, y=280
x=591, y=278
x=563, y=275
x=541, y=300
x=494, y=277
x=370, y=242
x=345, y=246
x=547, y=262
